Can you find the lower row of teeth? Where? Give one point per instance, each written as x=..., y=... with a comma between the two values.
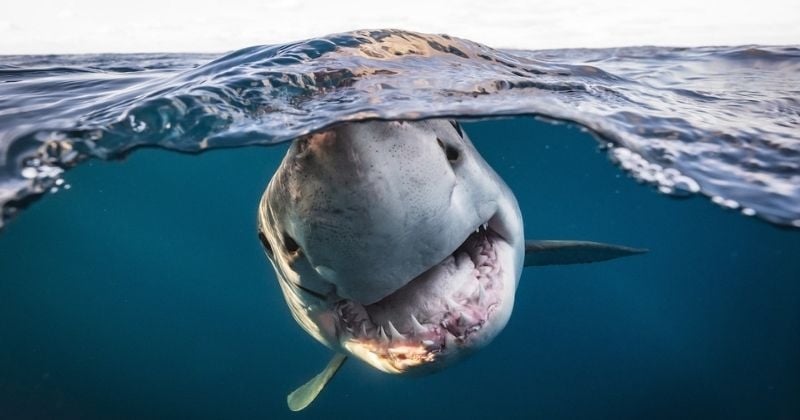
x=359, y=324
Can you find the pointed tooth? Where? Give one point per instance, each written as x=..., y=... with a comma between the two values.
x=481, y=295
x=451, y=303
x=393, y=331
x=363, y=329
x=427, y=342
x=467, y=319
x=382, y=335
x=418, y=328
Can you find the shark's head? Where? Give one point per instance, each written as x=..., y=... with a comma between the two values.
x=394, y=242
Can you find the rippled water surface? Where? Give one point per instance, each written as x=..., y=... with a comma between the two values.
x=720, y=121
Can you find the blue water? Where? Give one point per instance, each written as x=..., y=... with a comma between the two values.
x=143, y=292
x=132, y=283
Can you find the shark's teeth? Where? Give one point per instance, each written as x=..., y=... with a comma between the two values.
x=482, y=228
x=417, y=326
x=393, y=331
x=467, y=319
x=451, y=303
x=481, y=295
x=382, y=335
x=455, y=312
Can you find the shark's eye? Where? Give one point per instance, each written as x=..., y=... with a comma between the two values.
x=290, y=243
x=265, y=243
x=449, y=151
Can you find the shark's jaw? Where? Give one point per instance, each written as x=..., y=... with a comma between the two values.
x=444, y=314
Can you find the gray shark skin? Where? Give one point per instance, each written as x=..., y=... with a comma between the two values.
x=394, y=242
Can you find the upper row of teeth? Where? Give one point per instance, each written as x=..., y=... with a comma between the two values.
x=394, y=334
x=482, y=227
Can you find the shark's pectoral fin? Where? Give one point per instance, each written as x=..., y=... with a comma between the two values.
x=301, y=397
x=573, y=252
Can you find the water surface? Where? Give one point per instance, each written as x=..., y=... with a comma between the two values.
x=720, y=121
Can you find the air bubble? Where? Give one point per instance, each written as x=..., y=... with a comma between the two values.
x=731, y=204
x=136, y=126
x=667, y=180
x=725, y=202
x=29, y=173
x=685, y=183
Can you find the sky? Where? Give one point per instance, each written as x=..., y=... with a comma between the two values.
x=91, y=26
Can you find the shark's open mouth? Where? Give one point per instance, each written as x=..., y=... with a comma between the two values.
x=447, y=305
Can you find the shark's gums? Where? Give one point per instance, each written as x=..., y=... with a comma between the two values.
x=396, y=243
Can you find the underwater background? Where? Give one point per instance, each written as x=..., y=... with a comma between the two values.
x=133, y=285
x=143, y=291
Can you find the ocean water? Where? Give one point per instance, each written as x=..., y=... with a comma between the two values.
x=141, y=291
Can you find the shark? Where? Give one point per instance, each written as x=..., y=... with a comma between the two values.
x=395, y=243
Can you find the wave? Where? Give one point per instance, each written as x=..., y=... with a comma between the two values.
x=719, y=121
